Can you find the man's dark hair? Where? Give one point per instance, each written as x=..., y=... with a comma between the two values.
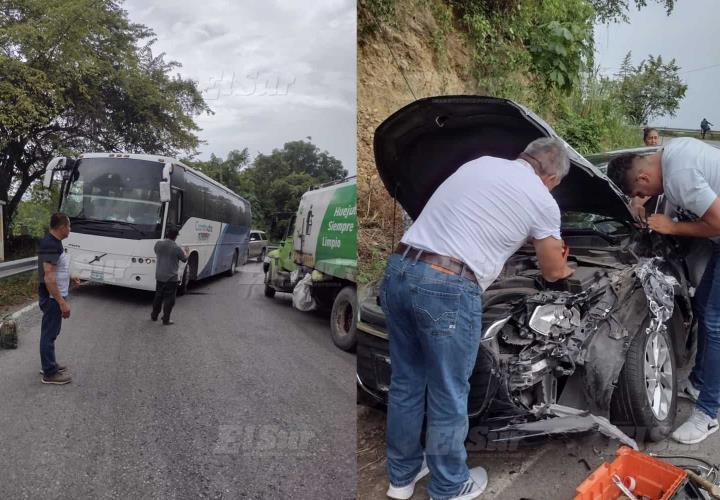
x=59, y=220
x=618, y=169
x=171, y=233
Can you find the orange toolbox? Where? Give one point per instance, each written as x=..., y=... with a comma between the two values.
x=643, y=476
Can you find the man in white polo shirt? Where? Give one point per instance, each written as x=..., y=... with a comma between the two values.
x=430, y=294
x=687, y=171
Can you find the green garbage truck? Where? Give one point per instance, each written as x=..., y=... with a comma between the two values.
x=317, y=259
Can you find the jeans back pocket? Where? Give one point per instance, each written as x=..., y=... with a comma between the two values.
x=436, y=308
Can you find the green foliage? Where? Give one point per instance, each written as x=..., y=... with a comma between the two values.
x=373, y=271
x=649, y=89
x=18, y=289
x=372, y=13
x=590, y=119
x=32, y=217
x=443, y=15
x=616, y=10
x=78, y=75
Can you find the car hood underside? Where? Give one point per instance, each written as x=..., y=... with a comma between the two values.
x=422, y=144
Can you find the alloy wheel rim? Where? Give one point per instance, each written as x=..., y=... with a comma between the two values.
x=658, y=375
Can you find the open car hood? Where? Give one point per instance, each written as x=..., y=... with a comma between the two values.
x=422, y=144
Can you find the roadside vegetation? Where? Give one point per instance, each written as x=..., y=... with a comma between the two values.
x=537, y=53
x=78, y=76
x=17, y=290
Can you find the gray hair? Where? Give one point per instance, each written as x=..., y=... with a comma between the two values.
x=552, y=155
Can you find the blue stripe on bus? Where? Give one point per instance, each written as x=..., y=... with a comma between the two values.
x=231, y=237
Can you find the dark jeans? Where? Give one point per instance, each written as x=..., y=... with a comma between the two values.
x=434, y=324
x=49, y=330
x=705, y=375
x=164, y=297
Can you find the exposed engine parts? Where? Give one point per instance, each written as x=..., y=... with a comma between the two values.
x=546, y=334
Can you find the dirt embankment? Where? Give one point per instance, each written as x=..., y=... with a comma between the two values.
x=396, y=64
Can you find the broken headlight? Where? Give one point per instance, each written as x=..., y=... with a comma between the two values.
x=545, y=317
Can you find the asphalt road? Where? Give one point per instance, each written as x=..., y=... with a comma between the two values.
x=244, y=397
x=547, y=471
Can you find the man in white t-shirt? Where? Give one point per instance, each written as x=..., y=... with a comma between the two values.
x=430, y=294
x=687, y=171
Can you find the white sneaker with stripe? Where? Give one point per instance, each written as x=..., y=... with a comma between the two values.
x=405, y=492
x=474, y=486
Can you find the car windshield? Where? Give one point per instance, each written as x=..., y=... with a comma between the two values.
x=116, y=189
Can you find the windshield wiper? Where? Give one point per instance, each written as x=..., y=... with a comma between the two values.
x=102, y=221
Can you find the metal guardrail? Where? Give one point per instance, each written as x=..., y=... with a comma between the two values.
x=13, y=267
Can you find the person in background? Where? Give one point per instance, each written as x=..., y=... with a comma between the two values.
x=169, y=255
x=704, y=127
x=53, y=287
x=687, y=171
x=651, y=136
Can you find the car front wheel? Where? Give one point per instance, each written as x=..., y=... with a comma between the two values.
x=646, y=396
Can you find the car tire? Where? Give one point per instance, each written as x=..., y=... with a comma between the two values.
x=183, y=285
x=631, y=408
x=261, y=257
x=343, y=319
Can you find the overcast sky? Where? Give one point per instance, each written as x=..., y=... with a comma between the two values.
x=689, y=35
x=272, y=71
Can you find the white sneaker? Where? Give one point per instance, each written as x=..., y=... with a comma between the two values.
x=405, y=492
x=696, y=428
x=474, y=486
x=687, y=390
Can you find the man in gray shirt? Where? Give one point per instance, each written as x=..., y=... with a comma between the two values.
x=687, y=171
x=169, y=255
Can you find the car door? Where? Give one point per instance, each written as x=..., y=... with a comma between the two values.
x=255, y=244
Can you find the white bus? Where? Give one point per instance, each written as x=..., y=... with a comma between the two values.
x=121, y=204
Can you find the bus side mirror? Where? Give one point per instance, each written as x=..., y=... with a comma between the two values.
x=165, y=191
x=50, y=170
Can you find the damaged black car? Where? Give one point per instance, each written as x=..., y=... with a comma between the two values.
x=600, y=350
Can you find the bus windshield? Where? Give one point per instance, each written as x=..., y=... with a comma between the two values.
x=119, y=190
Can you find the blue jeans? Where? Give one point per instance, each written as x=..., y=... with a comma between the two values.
x=434, y=325
x=705, y=375
x=49, y=330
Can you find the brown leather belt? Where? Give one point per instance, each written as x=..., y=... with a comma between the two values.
x=442, y=263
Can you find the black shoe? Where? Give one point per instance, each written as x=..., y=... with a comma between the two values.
x=153, y=317
x=168, y=322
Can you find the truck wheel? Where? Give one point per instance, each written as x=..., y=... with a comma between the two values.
x=646, y=394
x=183, y=286
x=343, y=319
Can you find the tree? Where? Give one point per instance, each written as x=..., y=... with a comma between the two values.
x=616, y=10
x=649, y=89
x=77, y=75
x=226, y=172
